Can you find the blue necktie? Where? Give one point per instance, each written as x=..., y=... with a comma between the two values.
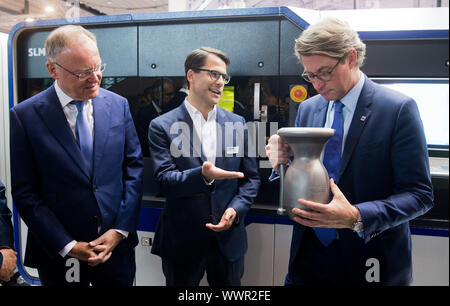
x=332, y=162
x=84, y=134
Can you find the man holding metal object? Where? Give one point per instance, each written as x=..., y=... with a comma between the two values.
x=377, y=161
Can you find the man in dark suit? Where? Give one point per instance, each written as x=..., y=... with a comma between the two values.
x=208, y=178
x=76, y=168
x=177, y=98
x=382, y=179
x=157, y=97
x=8, y=257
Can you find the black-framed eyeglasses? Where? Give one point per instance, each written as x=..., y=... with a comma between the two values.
x=215, y=75
x=324, y=76
x=84, y=75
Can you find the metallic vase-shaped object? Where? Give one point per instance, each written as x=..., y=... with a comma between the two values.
x=306, y=177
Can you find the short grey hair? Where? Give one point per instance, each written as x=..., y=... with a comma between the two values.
x=330, y=37
x=58, y=38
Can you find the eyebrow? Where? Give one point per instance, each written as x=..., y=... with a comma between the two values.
x=320, y=70
x=82, y=70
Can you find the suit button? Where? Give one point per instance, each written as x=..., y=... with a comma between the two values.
x=95, y=188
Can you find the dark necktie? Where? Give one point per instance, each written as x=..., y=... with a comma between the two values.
x=84, y=134
x=332, y=162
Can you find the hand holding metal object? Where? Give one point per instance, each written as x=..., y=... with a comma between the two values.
x=306, y=177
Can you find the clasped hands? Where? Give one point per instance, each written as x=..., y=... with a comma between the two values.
x=99, y=250
x=339, y=213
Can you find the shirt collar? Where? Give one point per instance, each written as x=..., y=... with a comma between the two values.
x=193, y=112
x=351, y=98
x=158, y=109
x=63, y=98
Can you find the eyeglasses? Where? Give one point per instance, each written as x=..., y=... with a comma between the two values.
x=215, y=75
x=324, y=76
x=84, y=75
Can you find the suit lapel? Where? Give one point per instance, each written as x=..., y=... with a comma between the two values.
x=320, y=114
x=102, y=122
x=51, y=113
x=360, y=117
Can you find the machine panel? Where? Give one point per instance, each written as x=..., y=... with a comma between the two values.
x=241, y=40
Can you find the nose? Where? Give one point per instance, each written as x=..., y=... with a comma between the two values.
x=317, y=83
x=220, y=80
x=95, y=76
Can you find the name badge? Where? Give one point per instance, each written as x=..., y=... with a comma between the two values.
x=232, y=150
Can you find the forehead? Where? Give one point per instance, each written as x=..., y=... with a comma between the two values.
x=80, y=54
x=317, y=62
x=215, y=63
x=167, y=86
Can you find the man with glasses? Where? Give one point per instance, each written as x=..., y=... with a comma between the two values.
x=207, y=177
x=76, y=169
x=154, y=101
x=377, y=161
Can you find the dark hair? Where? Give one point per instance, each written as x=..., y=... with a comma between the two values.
x=197, y=58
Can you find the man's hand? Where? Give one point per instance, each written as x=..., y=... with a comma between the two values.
x=82, y=251
x=103, y=246
x=225, y=222
x=278, y=152
x=339, y=213
x=211, y=172
x=8, y=265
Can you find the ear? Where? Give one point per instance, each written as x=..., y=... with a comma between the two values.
x=352, y=58
x=190, y=75
x=51, y=69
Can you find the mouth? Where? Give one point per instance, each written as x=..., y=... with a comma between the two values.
x=216, y=92
x=324, y=91
x=91, y=86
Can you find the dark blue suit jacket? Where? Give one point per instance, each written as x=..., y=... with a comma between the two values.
x=177, y=161
x=385, y=172
x=54, y=193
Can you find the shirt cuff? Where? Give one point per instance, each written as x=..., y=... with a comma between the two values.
x=122, y=232
x=67, y=248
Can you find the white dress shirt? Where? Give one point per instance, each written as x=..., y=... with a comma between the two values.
x=205, y=129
